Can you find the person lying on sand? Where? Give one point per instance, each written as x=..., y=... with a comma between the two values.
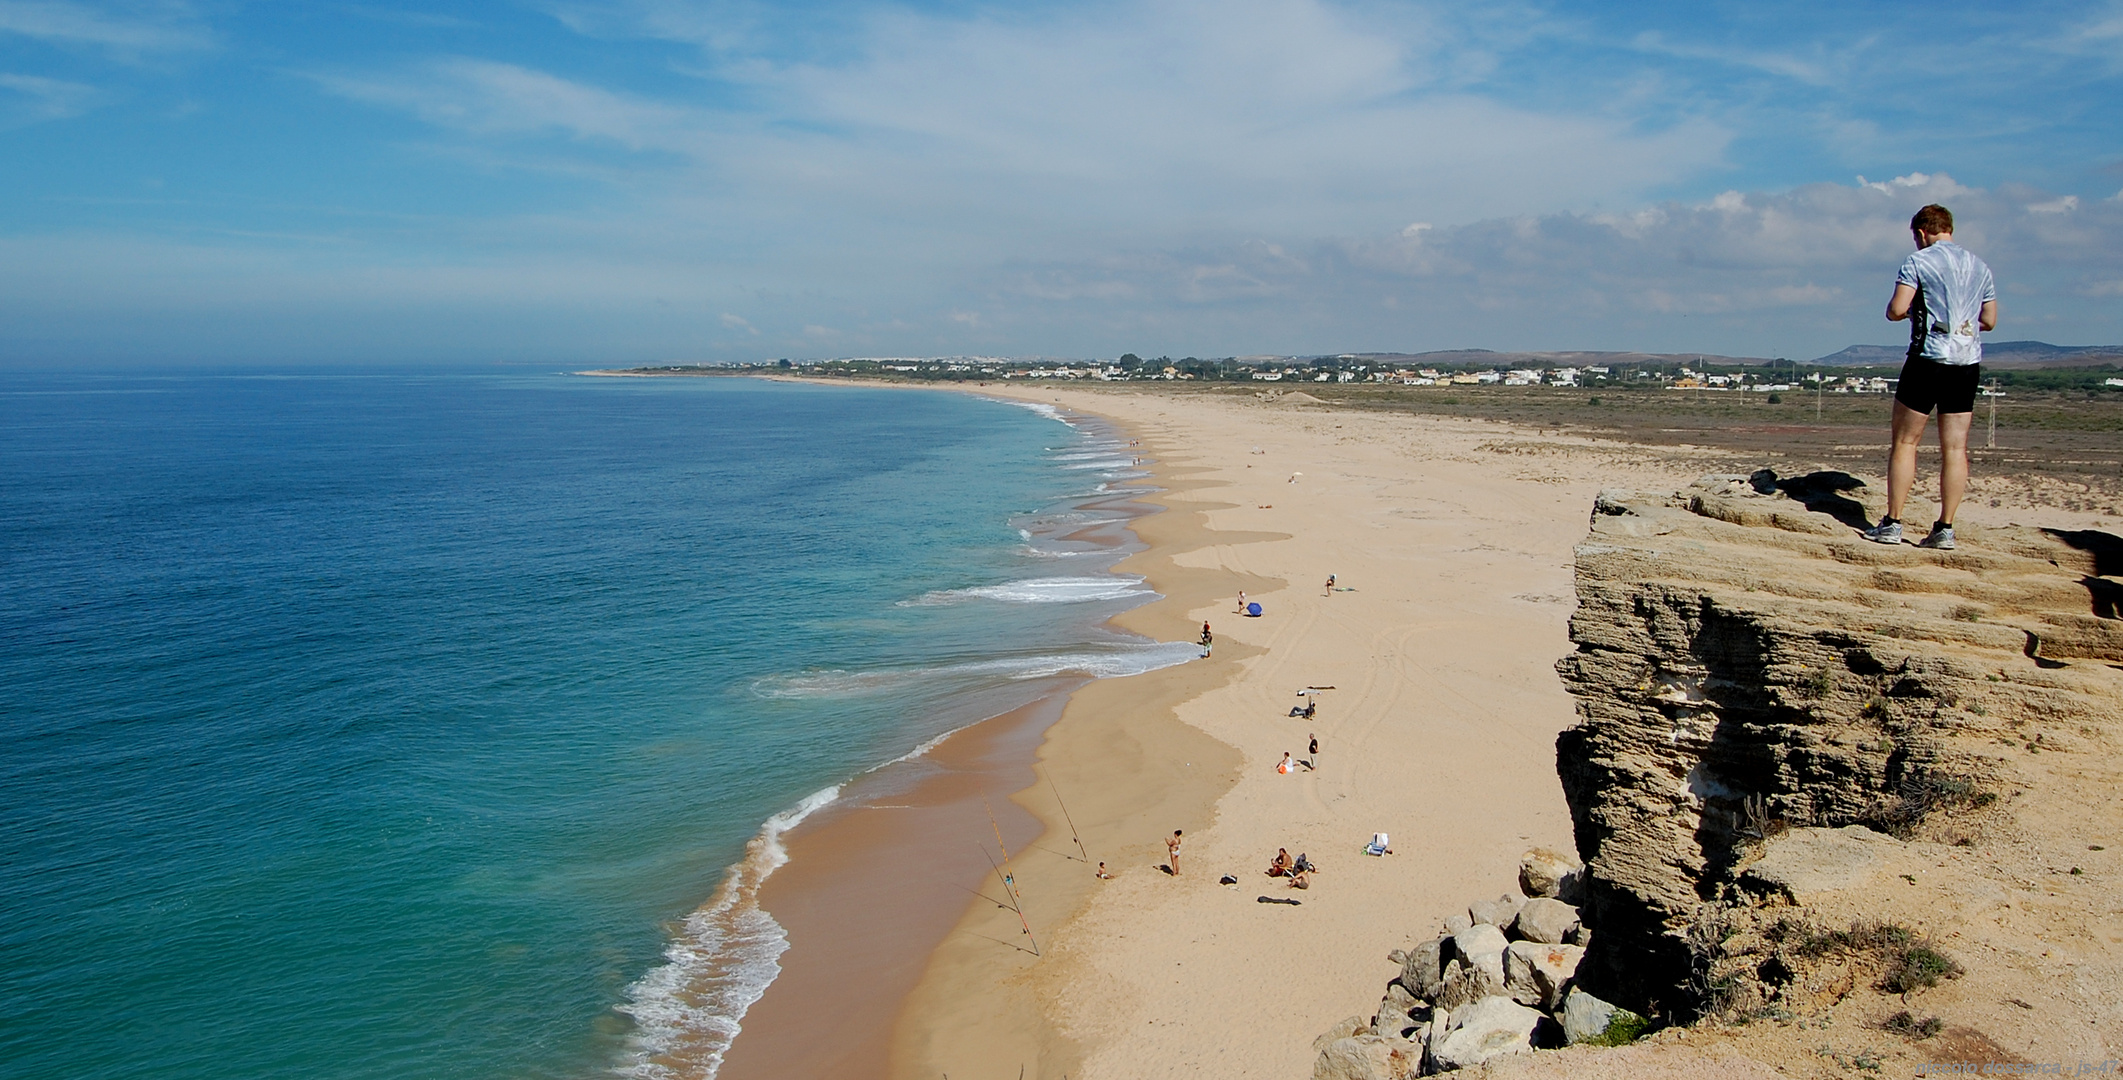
x=1281, y=865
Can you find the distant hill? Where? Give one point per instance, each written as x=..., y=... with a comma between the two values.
x=1486, y=358
x=2007, y=354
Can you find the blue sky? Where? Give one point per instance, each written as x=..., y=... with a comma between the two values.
x=631, y=181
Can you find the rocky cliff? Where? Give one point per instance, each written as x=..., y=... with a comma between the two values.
x=1747, y=665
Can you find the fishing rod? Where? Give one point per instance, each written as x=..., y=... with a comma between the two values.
x=1065, y=817
x=1019, y=908
x=1009, y=882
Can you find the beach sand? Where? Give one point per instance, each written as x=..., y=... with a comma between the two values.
x=1452, y=542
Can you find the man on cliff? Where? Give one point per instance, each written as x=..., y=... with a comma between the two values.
x=1948, y=297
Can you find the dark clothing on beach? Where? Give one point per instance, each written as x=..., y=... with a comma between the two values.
x=1927, y=384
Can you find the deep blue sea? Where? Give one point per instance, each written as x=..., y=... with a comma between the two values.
x=407, y=725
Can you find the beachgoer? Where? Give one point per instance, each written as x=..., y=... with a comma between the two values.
x=1242, y=601
x=1948, y=296
x=1301, y=880
x=1330, y=584
x=1102, y=875
x=1281, y=865
x=1302, y=863
x=1172, y=851
x=1312, y=705
x=1207, y=637
x=1313, y=754
x=1284, y=766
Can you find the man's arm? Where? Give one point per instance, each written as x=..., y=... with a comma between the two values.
x=1904, y=295
x=1987, y=318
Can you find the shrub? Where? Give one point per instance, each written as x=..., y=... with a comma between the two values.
x=1623, y=1028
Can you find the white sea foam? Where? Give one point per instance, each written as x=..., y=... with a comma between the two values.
x=688, y=1011
x=1102, y=463
x=1111, y=662
x=1051, y=590
x=1048, y=411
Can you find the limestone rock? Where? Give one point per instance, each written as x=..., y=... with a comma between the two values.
x=1549, y=922
x=1464, y=985
x=1586, y=1017
x=1804, y=862
x=1423, y=969
x=1392, y=1016
x=1488, y=1028
x=1348, y=1026
x=1739, y=671
x=1538, y=974
x=1481, y=947
x=1541, y=872
x=1368, y=1057
x=1456, y=923
x=1498, y=912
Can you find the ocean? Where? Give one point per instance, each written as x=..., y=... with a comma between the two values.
x=409, y=725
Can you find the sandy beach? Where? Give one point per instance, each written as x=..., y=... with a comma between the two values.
x=1450, y=542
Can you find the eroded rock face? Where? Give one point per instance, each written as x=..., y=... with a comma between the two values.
x=1745, y=663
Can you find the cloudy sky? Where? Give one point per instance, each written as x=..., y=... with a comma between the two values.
x=615, y=181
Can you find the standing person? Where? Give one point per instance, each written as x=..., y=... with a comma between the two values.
x=1330, y=584
x=1312, y=756
x=1172, y=852
x=1242, y=601
x=1948, y=297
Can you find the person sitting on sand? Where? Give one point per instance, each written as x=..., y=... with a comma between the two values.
x=1281, y=865
x=1303, y=865
x=1301, y=880
x=1312, y=705
x=1102, y=875
x=1285, y=766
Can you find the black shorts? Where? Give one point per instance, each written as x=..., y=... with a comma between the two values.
x=1927, y=384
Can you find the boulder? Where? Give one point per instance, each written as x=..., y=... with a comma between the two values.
x=1547, y=921
x=1392, y=1017
x=1349, y=1025
x=1541, y=872
x=1481, y=947
x=1586, y=1017
x=1465, y=985
x=1491, y=1027
x=1537, y=974
x=1456, y=923
x=1581, y=937
x=1368, y=1057
x=1423, y=968
x=1498, y=912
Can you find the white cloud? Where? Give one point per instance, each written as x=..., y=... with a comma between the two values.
x=155, y=28
x=39, y=98
x=738, y=322
x=487, y=98
x=2063, y=205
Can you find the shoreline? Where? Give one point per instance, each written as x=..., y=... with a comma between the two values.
x=876, y=878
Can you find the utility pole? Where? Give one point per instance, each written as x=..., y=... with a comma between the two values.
x=1991, y=441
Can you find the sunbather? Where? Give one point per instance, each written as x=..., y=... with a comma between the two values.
x=1281, y=865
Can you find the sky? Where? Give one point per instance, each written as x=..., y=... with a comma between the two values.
x=652, y=181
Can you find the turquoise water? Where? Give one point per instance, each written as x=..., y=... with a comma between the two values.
x=393, y=725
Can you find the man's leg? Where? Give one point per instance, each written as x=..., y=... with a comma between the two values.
x=1953, y=462
x=1902, y=456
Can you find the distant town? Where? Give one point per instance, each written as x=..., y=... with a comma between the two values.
x=2087, y=369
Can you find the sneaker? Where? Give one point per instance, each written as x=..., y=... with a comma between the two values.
x=1941, y=539
x=1890, y=533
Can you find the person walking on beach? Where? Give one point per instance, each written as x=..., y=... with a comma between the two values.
x=1172, y=852
x=1948, y=296
x=1242, y=601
